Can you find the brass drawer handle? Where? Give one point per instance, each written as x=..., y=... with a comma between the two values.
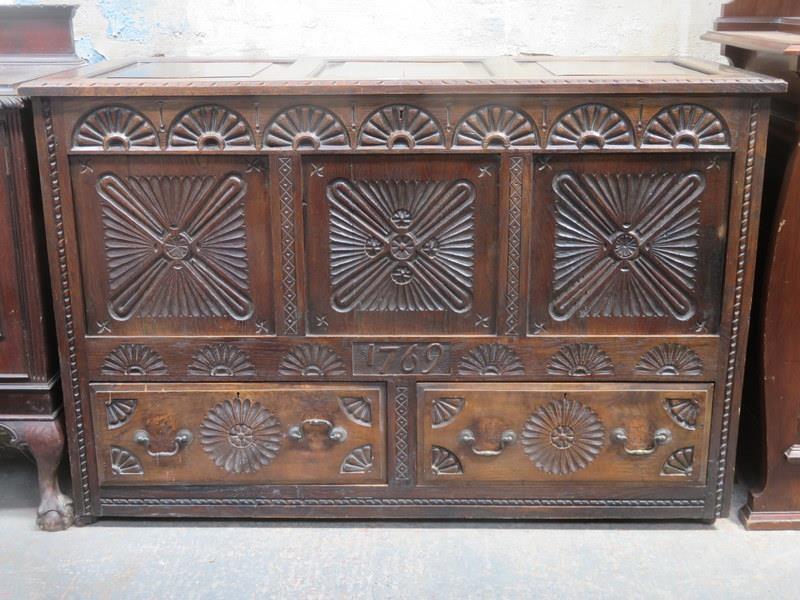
x=660, y=437
x=182, y=439
x=507, y=438
x=336, y=434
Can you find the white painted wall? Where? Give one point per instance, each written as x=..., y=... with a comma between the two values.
x=125, y=28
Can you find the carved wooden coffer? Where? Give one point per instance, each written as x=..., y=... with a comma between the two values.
x=483, y=288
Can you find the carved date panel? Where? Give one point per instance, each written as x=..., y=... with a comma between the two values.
x=387, y=358
x=174, y=246
x=401, y=245
x=515, y=433
x=260, y=433
x=628, y=243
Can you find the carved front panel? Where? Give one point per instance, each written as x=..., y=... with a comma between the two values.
x=563, y=432
x=222, y=434
x=628, y=243
x=401, y=245
x=174, y=246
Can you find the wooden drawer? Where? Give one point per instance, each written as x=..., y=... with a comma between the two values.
x=643, y=433
x=248, y=433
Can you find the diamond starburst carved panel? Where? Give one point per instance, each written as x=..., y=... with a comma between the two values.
x=626, y=245
x=401, y=245
x=175, y=246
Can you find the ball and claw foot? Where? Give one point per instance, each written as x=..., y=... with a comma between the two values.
x=44, y=439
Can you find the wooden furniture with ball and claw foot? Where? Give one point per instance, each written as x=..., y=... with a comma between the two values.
x=765, y=36
x=34, y=41
x=441, y=288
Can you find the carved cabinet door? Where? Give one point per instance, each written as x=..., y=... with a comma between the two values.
x=177, y=246
x=629, y=244
x=401, y=245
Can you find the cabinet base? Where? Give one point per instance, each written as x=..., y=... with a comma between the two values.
x=755, y=520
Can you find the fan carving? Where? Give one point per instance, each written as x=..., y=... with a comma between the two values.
x=445, y=410
x=686, y=126
x=680, y=462
x=684, y=411
x=491, y=360
x=580, y=360
x=125, y=462
x=210, y=127
x=358, y=460
x=133, y=359
x=402, y=245
x=562, y=437
x=444, y=462
x=311, y=360
x=496, y=126
x=240, y=436
x=626, y=245
x=358, y=409
x=592, y=126
x=221, y=360
x=670, y=360
x=306, y=128
x=119, y=411
x=115, y=128
x=401, y=126
x=176, y=246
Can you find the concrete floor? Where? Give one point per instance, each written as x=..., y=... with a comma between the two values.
x=262, y=559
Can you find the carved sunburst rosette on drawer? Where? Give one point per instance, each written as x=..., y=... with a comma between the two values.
x=563, y=437
x=241, y=436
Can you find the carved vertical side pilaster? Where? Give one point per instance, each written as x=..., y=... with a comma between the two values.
x=64, y=289
x=738, y=295
x=290, y=311
x=402, y=467
x=512, y=324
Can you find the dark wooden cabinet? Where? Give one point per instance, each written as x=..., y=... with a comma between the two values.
x=34, y=41
x=765, y=36
x=511, y=287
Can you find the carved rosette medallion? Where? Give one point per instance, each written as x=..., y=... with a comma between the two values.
x=670, y=360
x=626, y=245
x=133, y=359
x=592, y=126
x=115, y=128
x=240, y=436
x=311, y=360
x=402, y=245
x=495, y=126
x=492, y=360
x=580, y=360
x=221, y=360
x=686, y=126
x=210, y=127
x=176, y=246
x=306, y=128
x=400, y=126
x=563, y=437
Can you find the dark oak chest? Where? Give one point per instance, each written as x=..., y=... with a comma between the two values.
x=443, y=288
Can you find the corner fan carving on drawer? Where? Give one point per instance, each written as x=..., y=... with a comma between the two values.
x=401, y=245
x=626, y=244
x=213, y=127
x=176, y=246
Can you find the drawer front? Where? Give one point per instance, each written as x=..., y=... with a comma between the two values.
x=260, y=433
x=638, y=433
x=401, y=245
